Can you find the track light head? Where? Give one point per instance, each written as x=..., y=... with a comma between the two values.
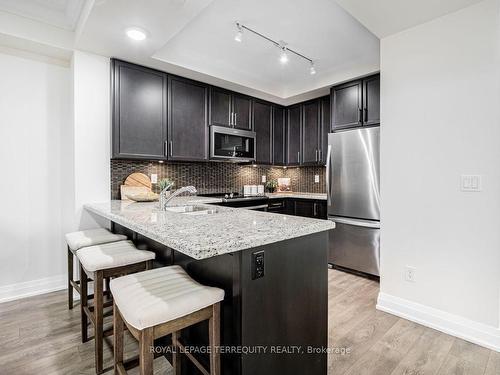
x=284, y=55
x=312, y=69
x=239, y=35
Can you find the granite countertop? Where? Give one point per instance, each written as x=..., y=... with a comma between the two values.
x=204, y=236
x=315, y=196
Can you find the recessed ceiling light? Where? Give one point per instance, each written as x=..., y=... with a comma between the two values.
x=136, y=33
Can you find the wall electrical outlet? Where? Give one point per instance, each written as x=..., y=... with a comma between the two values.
x=470, y=182
x=264, y=178
x=410, y=274
x=258, y=266
x=316, y=178
x=154, y=178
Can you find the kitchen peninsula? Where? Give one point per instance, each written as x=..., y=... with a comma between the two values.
x=271, y=266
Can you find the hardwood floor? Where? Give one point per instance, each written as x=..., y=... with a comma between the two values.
x=39, y=335
x=383, y=344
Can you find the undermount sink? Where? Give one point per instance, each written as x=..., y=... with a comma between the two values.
x=192, y=210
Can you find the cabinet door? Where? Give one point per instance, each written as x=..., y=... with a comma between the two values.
x=371, y=100
x=293, y=135
x=310, y=133
x=289, y=207
x=242, y=109
x=304, y=208
x=262, y=116
x=187, y=125
x=320, y=210
x=139, y=112
x=346, y=105
x=278, y=136
x=324, y=128
x=220, y=107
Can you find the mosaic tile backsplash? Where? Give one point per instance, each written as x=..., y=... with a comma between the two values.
x=214, y=177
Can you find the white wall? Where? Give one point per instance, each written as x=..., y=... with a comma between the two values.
x=440, y=108
x=34, y=110
x=55, y=132
x=92, y=151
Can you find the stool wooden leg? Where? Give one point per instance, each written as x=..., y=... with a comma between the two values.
x=146, y=354
x=98, y=315
x=176, y=355
x=214, y=339
x=117, y=338
x=70, y=278
x=83, y=304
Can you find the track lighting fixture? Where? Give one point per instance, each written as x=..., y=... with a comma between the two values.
x=284, y=50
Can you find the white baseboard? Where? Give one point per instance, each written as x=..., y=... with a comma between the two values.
x=469, y=330
x=33, y=288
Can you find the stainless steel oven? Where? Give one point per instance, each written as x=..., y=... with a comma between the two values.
x=232, y=144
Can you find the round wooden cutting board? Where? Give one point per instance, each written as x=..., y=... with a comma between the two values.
x=138, y=179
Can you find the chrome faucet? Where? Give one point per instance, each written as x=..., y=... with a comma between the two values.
x=164, y=199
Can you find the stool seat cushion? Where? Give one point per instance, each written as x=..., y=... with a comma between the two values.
x=111, y=255
x=84, y=238
x=149, y=298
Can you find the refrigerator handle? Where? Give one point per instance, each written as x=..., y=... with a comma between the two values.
x=328, y=175
x=355, y=222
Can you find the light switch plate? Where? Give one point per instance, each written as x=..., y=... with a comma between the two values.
x=316, y=178
x=471, y=183
x=154, y=178
x=264, y=178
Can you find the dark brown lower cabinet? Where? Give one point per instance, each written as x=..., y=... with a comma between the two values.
x=299, y=207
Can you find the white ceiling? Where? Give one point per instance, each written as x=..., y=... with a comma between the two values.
x=321, y=30
x=387, y=17
x=194, y=38
x=59, y=13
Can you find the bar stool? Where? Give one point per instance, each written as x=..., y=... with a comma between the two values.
x=163, y=301
x=77, y=240
x=98, y=263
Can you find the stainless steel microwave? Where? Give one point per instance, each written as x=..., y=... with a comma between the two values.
x=232, y=144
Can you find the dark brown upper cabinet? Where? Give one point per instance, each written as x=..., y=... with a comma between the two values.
x=230, y=109
x=356, y=103
x=187, y=120
x=279, y=140
x=220, y=107
x=324, y=128
x=293, y=135
x=347, y=105
x=371, y=100
x=139, y=112
x=311, y=133
x=242, y=112
x=262, y=124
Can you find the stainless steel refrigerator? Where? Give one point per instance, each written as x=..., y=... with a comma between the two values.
x=353, y=188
